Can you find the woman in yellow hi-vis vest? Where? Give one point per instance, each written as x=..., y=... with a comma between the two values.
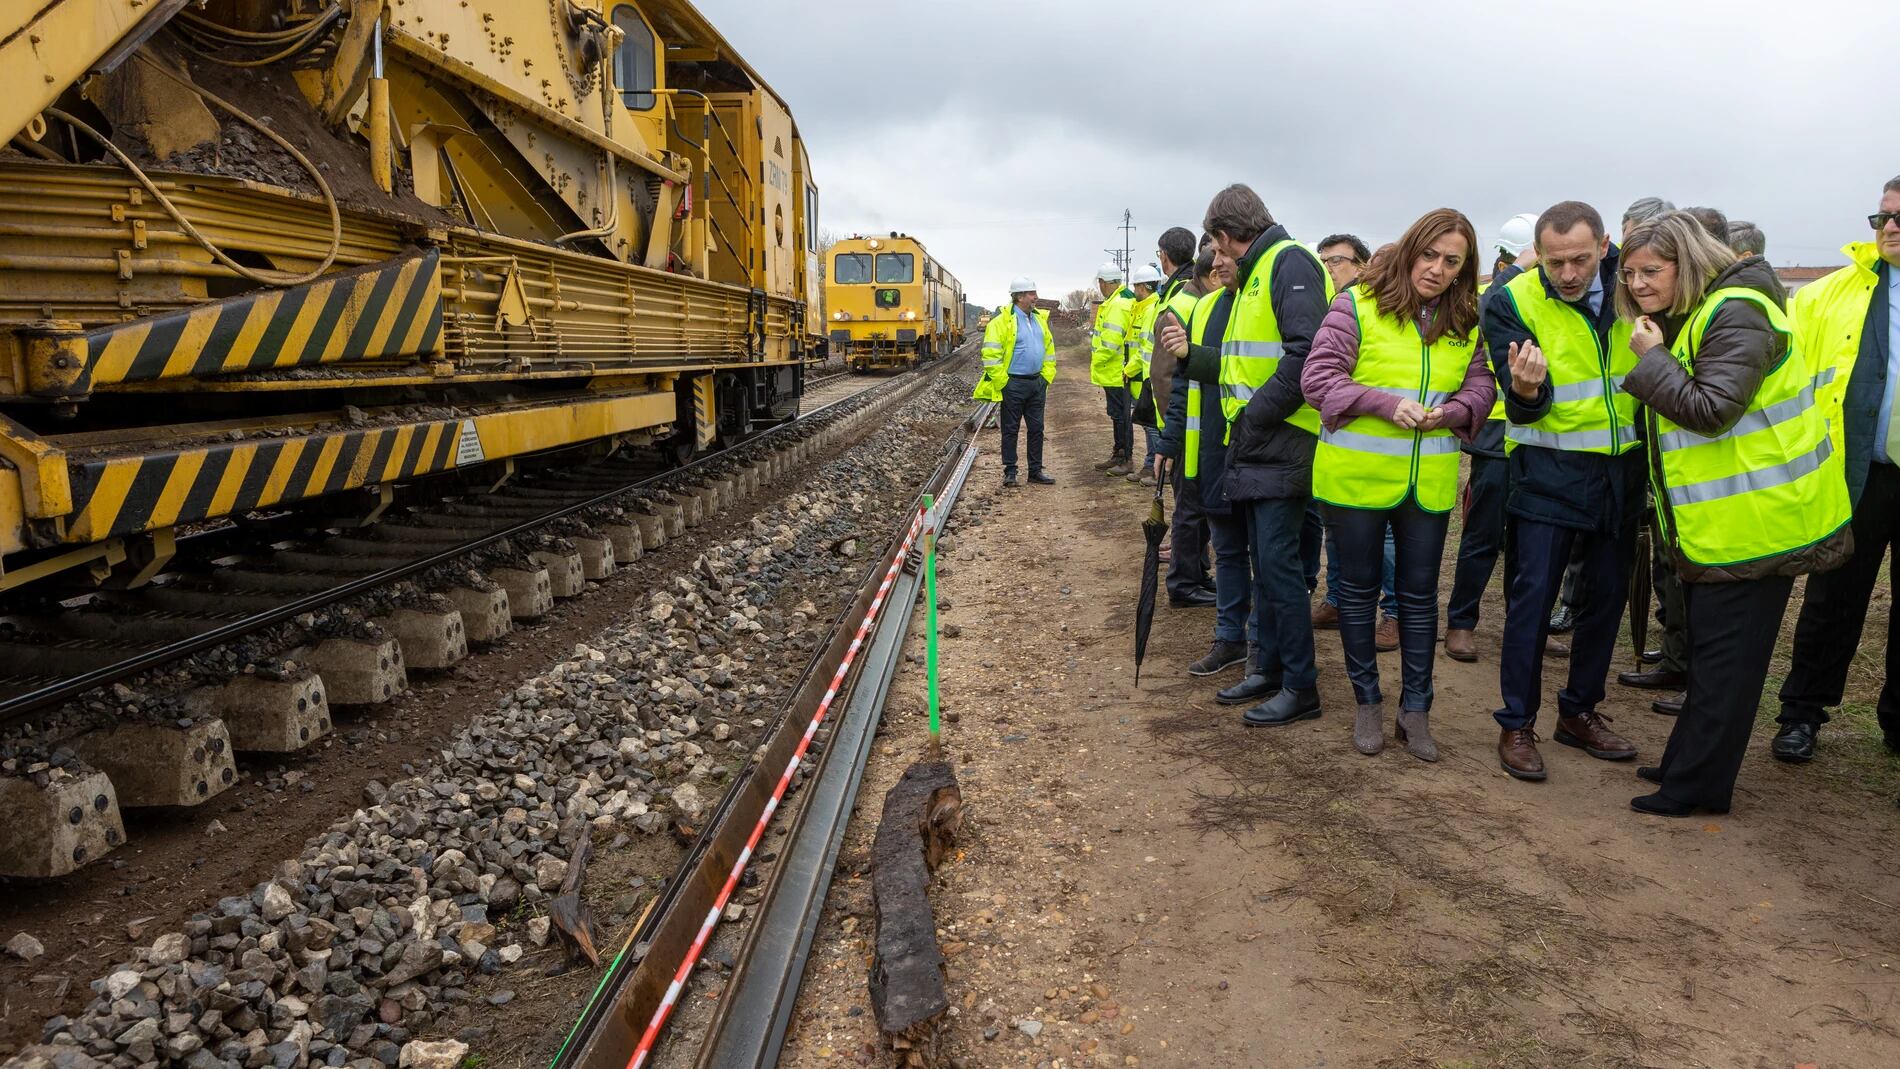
x=1398, y=380
x=1750, y=489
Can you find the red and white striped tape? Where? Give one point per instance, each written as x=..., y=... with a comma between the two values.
x=667, y=1004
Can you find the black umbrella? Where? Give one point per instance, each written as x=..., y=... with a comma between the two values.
x=1639, y=589
x=1152, y=528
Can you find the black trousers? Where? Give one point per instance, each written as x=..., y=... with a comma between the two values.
x=1827, y=635
x=1023, y=400
x=1540, y=554
x=1119, y=415
x=1481, y=543
x=1187, y=536
x=1732, y=630
x=1418, y=539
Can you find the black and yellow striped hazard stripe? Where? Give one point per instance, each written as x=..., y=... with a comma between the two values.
x=132, y=494
x=383, y=311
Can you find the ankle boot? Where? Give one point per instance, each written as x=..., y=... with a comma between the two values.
x=1368, y=729
x=1415, y=732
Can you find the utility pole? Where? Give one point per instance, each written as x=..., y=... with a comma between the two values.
x=1128, y=249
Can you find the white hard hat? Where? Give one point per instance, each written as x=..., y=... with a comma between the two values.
x=1518, y=233
x=1022, y=285
x=1146, y=273
x=1109, y=273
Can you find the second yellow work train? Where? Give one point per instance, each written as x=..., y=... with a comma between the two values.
x=889, y=303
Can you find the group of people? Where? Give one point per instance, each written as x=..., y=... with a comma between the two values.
x=1302, y=397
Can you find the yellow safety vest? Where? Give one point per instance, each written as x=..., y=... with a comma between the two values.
x=1108, y=341
x=999, y=343
x=1371, y=463
x=1141, y=345
x=1589, y=412
x=1178, y=300
x=1772, y=483
x=1197, y=323
x=1828, y=317
x=1251, y=349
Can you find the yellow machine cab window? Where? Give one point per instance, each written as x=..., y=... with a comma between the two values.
x=851, y=268
x=635, y=61
x=896, y=268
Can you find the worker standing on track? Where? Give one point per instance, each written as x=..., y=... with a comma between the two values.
x=1482, y=538
x=1019, y=363
x=1850, y=322
x=1108, y=351
x=1141, y=399
x=1271, y=435
x=1577, y=479
x=1398, y=378
x=1196, y=430
x=1188, y=581
x=1751, y=492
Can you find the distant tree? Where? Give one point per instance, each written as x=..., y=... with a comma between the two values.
x=1076, y=301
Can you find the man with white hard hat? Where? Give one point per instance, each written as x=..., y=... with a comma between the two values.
x=1108, y=351
x=1019, y=363
x=1482, y=539
x=1146, y=280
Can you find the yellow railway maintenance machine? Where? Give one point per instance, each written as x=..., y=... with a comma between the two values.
x=889, y=304
x=255, y=252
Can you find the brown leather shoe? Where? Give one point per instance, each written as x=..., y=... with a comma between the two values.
x=1591, y=733
x=1458, y=644
x=1555, y=647
x=1386, y=639
x=1671, y=706
x=1654, y=679
x=1325, y=616
x=1517, y=753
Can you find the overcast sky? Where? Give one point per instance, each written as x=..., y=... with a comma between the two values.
x=1009, y=136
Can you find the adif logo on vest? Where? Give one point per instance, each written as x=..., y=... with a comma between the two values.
x=1253, y=285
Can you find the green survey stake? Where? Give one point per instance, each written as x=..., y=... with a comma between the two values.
x=930, y=626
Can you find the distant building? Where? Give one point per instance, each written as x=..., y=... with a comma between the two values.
x=1793, y=278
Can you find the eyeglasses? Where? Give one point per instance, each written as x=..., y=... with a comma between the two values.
x=1629, y=275
x=1334, y=261
x=1879, y=220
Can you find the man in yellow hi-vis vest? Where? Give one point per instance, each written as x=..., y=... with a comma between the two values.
x=1108, y=351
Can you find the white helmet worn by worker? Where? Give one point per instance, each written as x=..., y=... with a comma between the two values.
x=1146, y=274
x=1109, y=273
x=1021, y=285
x=1518, y=233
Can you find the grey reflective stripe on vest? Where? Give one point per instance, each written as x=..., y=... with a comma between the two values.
x=1767, y=478
x=1194, y=423
x=1432, y=399
x=1759, y=420
x=1236, y=391
x=1434, y=445
x=1579, y=391
x=1253, y=348
x=1573, y=440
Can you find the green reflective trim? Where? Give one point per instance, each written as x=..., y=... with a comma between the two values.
x=1750, y=481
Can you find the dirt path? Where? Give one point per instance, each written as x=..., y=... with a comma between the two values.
x=1143, y=881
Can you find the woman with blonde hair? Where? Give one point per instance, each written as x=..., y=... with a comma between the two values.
x=1398, y=380
x=1749, y=490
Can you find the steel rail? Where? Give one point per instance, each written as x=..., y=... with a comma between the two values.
x=24, y=705
x=634, y=999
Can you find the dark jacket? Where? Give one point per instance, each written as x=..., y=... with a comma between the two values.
x=1738, y=349
x=1867, y=385
x=1267, y=457
x=1202, y=365
x=1583, y=491
x=1490, y=440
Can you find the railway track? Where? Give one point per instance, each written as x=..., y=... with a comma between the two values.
x=256, y=632
x=837, y=701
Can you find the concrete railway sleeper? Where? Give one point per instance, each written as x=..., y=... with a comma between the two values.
x=534, y=539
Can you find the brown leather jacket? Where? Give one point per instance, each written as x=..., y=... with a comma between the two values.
x=1737, y=350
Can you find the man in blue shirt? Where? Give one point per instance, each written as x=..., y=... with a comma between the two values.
x=1866, y=295
x=1019, y=361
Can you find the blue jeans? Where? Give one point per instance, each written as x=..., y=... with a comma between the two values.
x=1233, y=576
x=1152, y=436
x=1312, y=532
x=1281, y=617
